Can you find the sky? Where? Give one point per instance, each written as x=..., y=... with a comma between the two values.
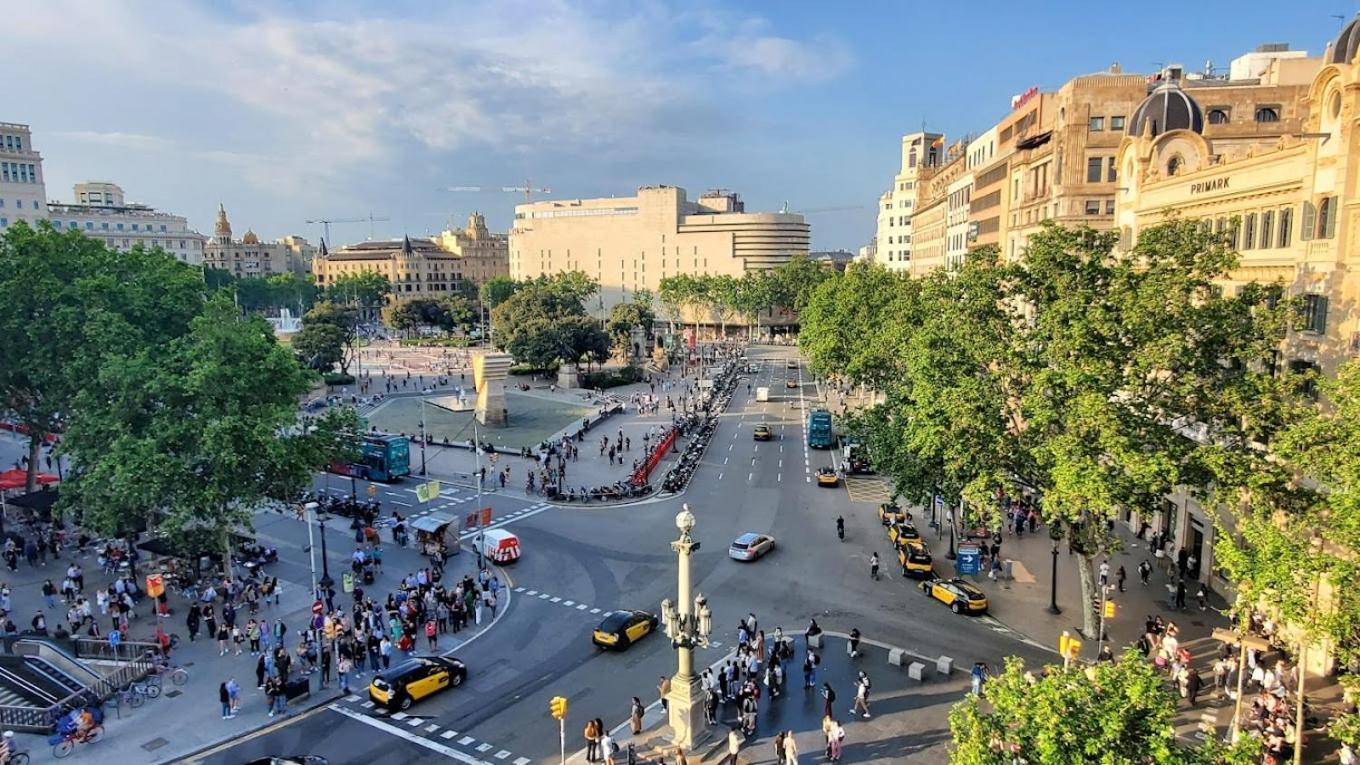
x=287, y=111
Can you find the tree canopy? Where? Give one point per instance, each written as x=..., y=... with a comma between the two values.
x=329, y=336
x=366, y=289
x=188, y=438
x=544, y=323
x=1109, y=713
x=66, y=301
x=446, y=313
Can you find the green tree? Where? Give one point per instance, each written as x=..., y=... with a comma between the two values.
x=796, y=280
x=1110, y=713
x=329, y=332
x=65, y=302
x=366, y=290
x=575, y=285
x=496, y=290
x=190, y=437
x=674, y=294
x=755, y=293
x=404, y=315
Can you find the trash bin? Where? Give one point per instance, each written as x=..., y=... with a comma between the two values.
x=297, y=688
x=1007, y=569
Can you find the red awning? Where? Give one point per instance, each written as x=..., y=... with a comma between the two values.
x=17, y=479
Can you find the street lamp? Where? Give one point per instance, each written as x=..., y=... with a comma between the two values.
x=1054, y=533
x=688, y=622
x=949, y=517
x=326, y=580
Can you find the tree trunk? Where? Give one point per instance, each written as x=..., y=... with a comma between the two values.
x=1298, y=712
x=1086, y=573
x=35, y=442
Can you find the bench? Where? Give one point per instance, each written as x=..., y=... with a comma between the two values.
x=896, y=656
x=916, y=671
x=944, y=665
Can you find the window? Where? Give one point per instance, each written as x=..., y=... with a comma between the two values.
x=1117, y=123
x=1267, y=114
x=1267, y=222
x=1249, y=231
x=120, y=226
x=1286, y=227
x=1096, y=124
x=1109, y=170
x=1093, y=207
x=1093, y=169
x=1109, y=207
x=1219, y=116
x=1315, y=314
x=1309, y=372
x=1309, y=221
x=1326, y=227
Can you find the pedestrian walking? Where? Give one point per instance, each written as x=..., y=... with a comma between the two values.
x=1120, y=576
x=233, y=697
x=979, y=675
x=663, y=689
x=225, y=699
x=861, y=695
x=852, y=647
x=828, y=699
x=343, y=669
x=873, y=565
x=790, y=749
x=733, y=746
x=635, y=712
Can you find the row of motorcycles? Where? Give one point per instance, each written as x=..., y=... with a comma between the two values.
x=348, y=507
x=701, y=427
x=615, y=491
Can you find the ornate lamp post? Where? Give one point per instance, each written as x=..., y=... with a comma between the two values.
x=1054, y=533
x=688, y=625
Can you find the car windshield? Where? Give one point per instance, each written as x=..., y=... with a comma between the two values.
x=614, y=621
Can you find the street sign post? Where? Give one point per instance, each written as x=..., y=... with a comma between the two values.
x=969, y=560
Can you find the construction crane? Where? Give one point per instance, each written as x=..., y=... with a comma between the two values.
x=842, y=208
x=326, y=224
x=527, y=190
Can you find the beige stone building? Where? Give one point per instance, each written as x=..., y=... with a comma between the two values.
x=250, y=257
x=483, y=254
x=414, y=267
x=101, y=212
x=631, y=243
x=921, y=153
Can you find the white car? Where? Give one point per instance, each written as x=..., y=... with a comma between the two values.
x=750, y=546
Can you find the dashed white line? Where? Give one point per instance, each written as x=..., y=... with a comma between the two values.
x=556, y=600
x=431, y=728
x=502, y=754
x=568, y=602
x=399, y=502
x=462, y=757
x=414, y=721
x=581, y=606
x=749, y=476
x=594, y=610
x=448, y=734
x=465, y=740
x=720, y=475
x=399, y=716
x=483, y=747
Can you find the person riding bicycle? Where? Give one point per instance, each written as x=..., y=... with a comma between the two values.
x=840, y=527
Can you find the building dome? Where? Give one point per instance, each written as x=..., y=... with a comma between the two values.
x=250, y=238
x=1166, y=108
x=1347, y=43
x=223, y=227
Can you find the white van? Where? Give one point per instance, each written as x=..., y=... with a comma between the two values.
x=500, y=546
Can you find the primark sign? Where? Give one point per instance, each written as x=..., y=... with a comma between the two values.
x=1201, y=187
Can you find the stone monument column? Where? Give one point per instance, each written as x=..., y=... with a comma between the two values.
x=489, y=370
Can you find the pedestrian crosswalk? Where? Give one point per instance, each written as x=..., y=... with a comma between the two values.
x=868, y=488
x=573, y=605
x=426, y=731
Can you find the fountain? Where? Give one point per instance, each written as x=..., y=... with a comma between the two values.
x=285, y=323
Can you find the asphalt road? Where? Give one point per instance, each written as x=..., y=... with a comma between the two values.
x=579, y=562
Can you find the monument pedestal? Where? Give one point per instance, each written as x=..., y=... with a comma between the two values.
x=568, y=376
x=489, y=370
x=689, y=729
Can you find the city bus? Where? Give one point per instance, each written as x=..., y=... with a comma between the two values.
x=381, y=458
x=819, y=429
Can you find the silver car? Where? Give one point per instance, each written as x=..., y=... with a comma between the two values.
x=750, y=546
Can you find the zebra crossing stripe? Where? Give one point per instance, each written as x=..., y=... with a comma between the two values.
x=448, y=734
x=465, y=740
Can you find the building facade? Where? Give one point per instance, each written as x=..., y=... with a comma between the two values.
x=23, y=192
x=630, y=244
x=485, y=254
x=102, y=212
x=920, y=153
x=416, y=268
x=250, y=257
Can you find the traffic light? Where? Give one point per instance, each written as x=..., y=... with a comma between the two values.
x=557, y=707
x=1109, y=609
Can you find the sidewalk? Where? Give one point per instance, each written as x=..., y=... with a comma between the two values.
x=909, y=719
x=186, y=719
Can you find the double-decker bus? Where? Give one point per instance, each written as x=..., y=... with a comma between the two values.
x=381, y=458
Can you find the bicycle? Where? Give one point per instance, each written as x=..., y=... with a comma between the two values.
x=178, y=676
x=133, y=696
x=68, y=742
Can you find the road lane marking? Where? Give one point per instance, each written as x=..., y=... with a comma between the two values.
x=568, y=602
x=431, y=728
x=482, y=747
x=502, y=754
x=399, y=502
x=448, y=734
x=400, y=716
x=465, y=740
x=581, y=606
x=748, y=477
x=556, y=600
x=594, y=610
x=466, y=759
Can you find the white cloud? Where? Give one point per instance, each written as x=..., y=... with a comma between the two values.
x=815, y=60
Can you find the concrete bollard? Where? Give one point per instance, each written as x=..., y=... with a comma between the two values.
x=896, y=656
x=944, y=665
x=916, y=671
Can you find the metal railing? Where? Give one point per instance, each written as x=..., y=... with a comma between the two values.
x=138, y=659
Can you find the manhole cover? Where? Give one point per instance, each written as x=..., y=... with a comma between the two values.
x=172, y=694
x=154, y=744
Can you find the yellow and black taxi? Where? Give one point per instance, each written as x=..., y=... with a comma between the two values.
x=792, y=383
x=762, y=433
x=960, y=596
x=889, y=513
x=916, y=561
x=620, y=629
x=900, y=533
x=827, y=476
x=412, y=680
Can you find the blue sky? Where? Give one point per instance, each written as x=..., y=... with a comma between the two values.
x=290, y=111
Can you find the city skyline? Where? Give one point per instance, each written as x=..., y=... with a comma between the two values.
x=287, y=115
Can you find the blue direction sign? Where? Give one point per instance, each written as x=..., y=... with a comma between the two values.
x=969, y=560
